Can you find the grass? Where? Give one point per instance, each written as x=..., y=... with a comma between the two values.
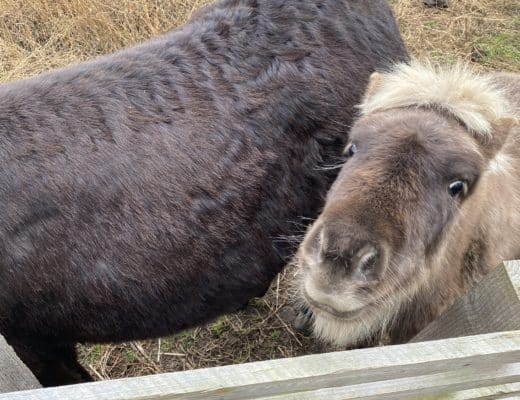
x=503, y=48
x=220, y=327
x=39, y=35
x=485, y=33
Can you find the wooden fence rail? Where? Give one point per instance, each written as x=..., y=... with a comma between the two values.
x=391, y=372
x=480, y=366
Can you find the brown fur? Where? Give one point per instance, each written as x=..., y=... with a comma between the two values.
x=153, y=189
x=392, y=196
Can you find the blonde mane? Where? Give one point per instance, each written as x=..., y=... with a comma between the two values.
x=471, y=98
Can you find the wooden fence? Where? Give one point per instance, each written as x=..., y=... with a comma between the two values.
x=471, y=352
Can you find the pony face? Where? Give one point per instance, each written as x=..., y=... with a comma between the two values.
x=409, y=175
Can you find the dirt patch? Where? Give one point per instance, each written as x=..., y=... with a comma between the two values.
x=37, y=36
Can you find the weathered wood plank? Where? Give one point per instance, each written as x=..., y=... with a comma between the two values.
x=445, y=365
x=14, y=375
x=508, y=391
x=493, y=305
x=424, y=386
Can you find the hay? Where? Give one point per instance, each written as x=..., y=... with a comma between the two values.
x=39, y=35
x=485, y=33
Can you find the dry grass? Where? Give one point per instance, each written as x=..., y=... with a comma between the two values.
x=484, y=32
x=39, y=35
x=43, y=34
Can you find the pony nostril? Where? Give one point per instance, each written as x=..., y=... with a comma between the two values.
x=359, y=260
x=366, y=262
x=366, y=254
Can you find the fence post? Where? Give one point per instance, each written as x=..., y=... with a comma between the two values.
x=492, y=305
x=14, y=375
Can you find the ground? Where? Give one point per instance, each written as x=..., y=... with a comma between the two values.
x=38, y=35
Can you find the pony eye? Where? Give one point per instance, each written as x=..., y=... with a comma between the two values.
x=350, y=150
x=457, y=188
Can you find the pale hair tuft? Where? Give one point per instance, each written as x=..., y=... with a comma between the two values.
x=471, y=98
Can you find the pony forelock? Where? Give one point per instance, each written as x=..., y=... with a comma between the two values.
x=471, y=98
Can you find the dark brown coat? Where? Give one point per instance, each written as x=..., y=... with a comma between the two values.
x=145, y=192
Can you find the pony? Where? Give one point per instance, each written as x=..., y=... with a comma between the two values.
x=150, y=190
x=423, y=207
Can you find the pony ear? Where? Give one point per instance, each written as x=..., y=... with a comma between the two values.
x=501, y=128
x=374, y=83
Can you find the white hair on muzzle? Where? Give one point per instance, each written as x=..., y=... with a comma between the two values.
x=471, y=98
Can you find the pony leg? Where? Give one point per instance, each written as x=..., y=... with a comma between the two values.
x=53, y=364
